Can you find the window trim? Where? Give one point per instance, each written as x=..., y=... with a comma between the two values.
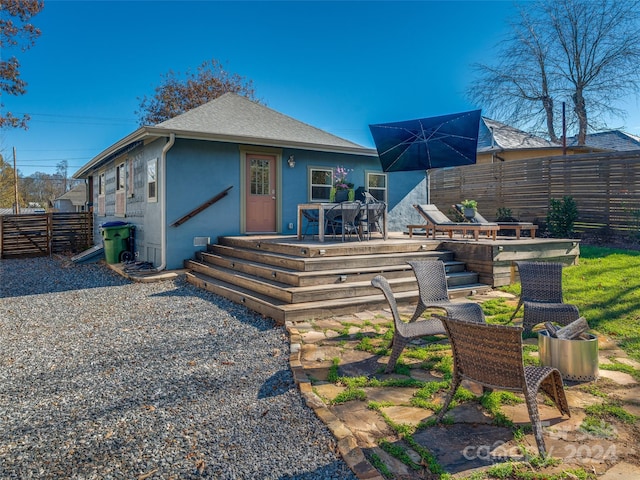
x=385, y=189
x=311, y=185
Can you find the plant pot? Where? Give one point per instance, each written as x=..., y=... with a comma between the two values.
x=342, y=196
x=469, y=212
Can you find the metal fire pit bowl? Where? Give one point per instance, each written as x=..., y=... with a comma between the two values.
x=576, y=359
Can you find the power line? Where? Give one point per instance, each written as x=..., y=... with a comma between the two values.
x=79, y=117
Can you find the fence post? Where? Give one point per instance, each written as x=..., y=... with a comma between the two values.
x=49, y=233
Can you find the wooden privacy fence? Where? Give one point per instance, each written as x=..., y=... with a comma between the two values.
x=44, y=234
x=605, y=187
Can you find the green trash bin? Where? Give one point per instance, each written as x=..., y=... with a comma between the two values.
x=115, y=237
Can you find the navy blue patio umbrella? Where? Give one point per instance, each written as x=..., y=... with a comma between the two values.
x=426, y=143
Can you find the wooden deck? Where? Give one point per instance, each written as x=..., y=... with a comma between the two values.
x=289, y=279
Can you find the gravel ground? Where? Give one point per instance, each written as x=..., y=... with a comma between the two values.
x=104, y=378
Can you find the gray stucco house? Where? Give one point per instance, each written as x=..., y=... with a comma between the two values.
x=259, y=163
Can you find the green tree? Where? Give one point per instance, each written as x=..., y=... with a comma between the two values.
x=584, y=53
x=16, y=32
x=176, y=95
x=7, y=187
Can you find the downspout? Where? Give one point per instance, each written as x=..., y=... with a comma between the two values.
x=163, y=202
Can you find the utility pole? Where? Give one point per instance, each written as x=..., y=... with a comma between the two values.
x=564, y=129
x=16, y=205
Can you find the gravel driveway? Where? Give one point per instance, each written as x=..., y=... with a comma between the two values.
x=104, y=378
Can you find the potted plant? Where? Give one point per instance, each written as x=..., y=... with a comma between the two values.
x=469, y=208
x=342, y=189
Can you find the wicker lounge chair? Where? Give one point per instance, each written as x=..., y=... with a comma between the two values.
x=491, y=355
x=542, y=295
x=517, y=227
x=439, y=222
x=432, y=285
x=404, y=331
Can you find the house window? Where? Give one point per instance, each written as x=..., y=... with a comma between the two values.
x=377, y=185
x=120, y=177
x=101, y=197
x=120, y=190
x=320, y=184
x=152, y=180
x=130, y=184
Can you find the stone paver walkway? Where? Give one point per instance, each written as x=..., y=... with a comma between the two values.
x=474, y=438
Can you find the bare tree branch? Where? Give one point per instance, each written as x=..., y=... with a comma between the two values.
x=564, y=50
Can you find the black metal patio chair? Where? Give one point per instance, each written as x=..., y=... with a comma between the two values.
x=312, y=218
x=343, y=217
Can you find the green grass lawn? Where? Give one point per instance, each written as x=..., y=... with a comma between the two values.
x=605, y=287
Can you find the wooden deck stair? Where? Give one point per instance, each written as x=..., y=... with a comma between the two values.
x=287, y=280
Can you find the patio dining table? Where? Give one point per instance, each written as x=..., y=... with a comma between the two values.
x=321, y=208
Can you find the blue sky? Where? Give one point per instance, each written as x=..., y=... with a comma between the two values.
x=339, y=66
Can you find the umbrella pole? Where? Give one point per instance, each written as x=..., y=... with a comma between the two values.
x=428, y=187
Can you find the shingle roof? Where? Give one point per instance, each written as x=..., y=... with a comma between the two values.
x=237, y=116
x=235, y=119
x=77, y=195
x=494, y=135
x=614, y=140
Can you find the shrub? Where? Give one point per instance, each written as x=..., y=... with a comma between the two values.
x=561, y=217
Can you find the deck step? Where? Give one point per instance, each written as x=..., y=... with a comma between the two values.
x=281, y=311
x=317, y=277
x=306, y=303
x=304, y=264
x=348, y=287
x=291, y=280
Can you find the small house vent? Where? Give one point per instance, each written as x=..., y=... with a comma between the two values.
x=200, y=241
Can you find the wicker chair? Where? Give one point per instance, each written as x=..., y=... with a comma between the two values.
x=432, y=285
x=542, y=295
x=404, y=331
x=491, y=355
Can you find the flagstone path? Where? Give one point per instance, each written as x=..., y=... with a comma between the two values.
x=474, y=440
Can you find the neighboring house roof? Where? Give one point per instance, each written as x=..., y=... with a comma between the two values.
x=23, y=210
x=612, y=140
x=77, y=195
x=494, y=135
x=234, y=119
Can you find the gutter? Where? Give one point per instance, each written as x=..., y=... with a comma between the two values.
x=163, y=202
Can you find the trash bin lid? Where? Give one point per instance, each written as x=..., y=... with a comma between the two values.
x=114, y=224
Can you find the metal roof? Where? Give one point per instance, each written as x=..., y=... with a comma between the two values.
x=77, y=195
x=234, y=119
x=613, y=140
x=494, y=135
